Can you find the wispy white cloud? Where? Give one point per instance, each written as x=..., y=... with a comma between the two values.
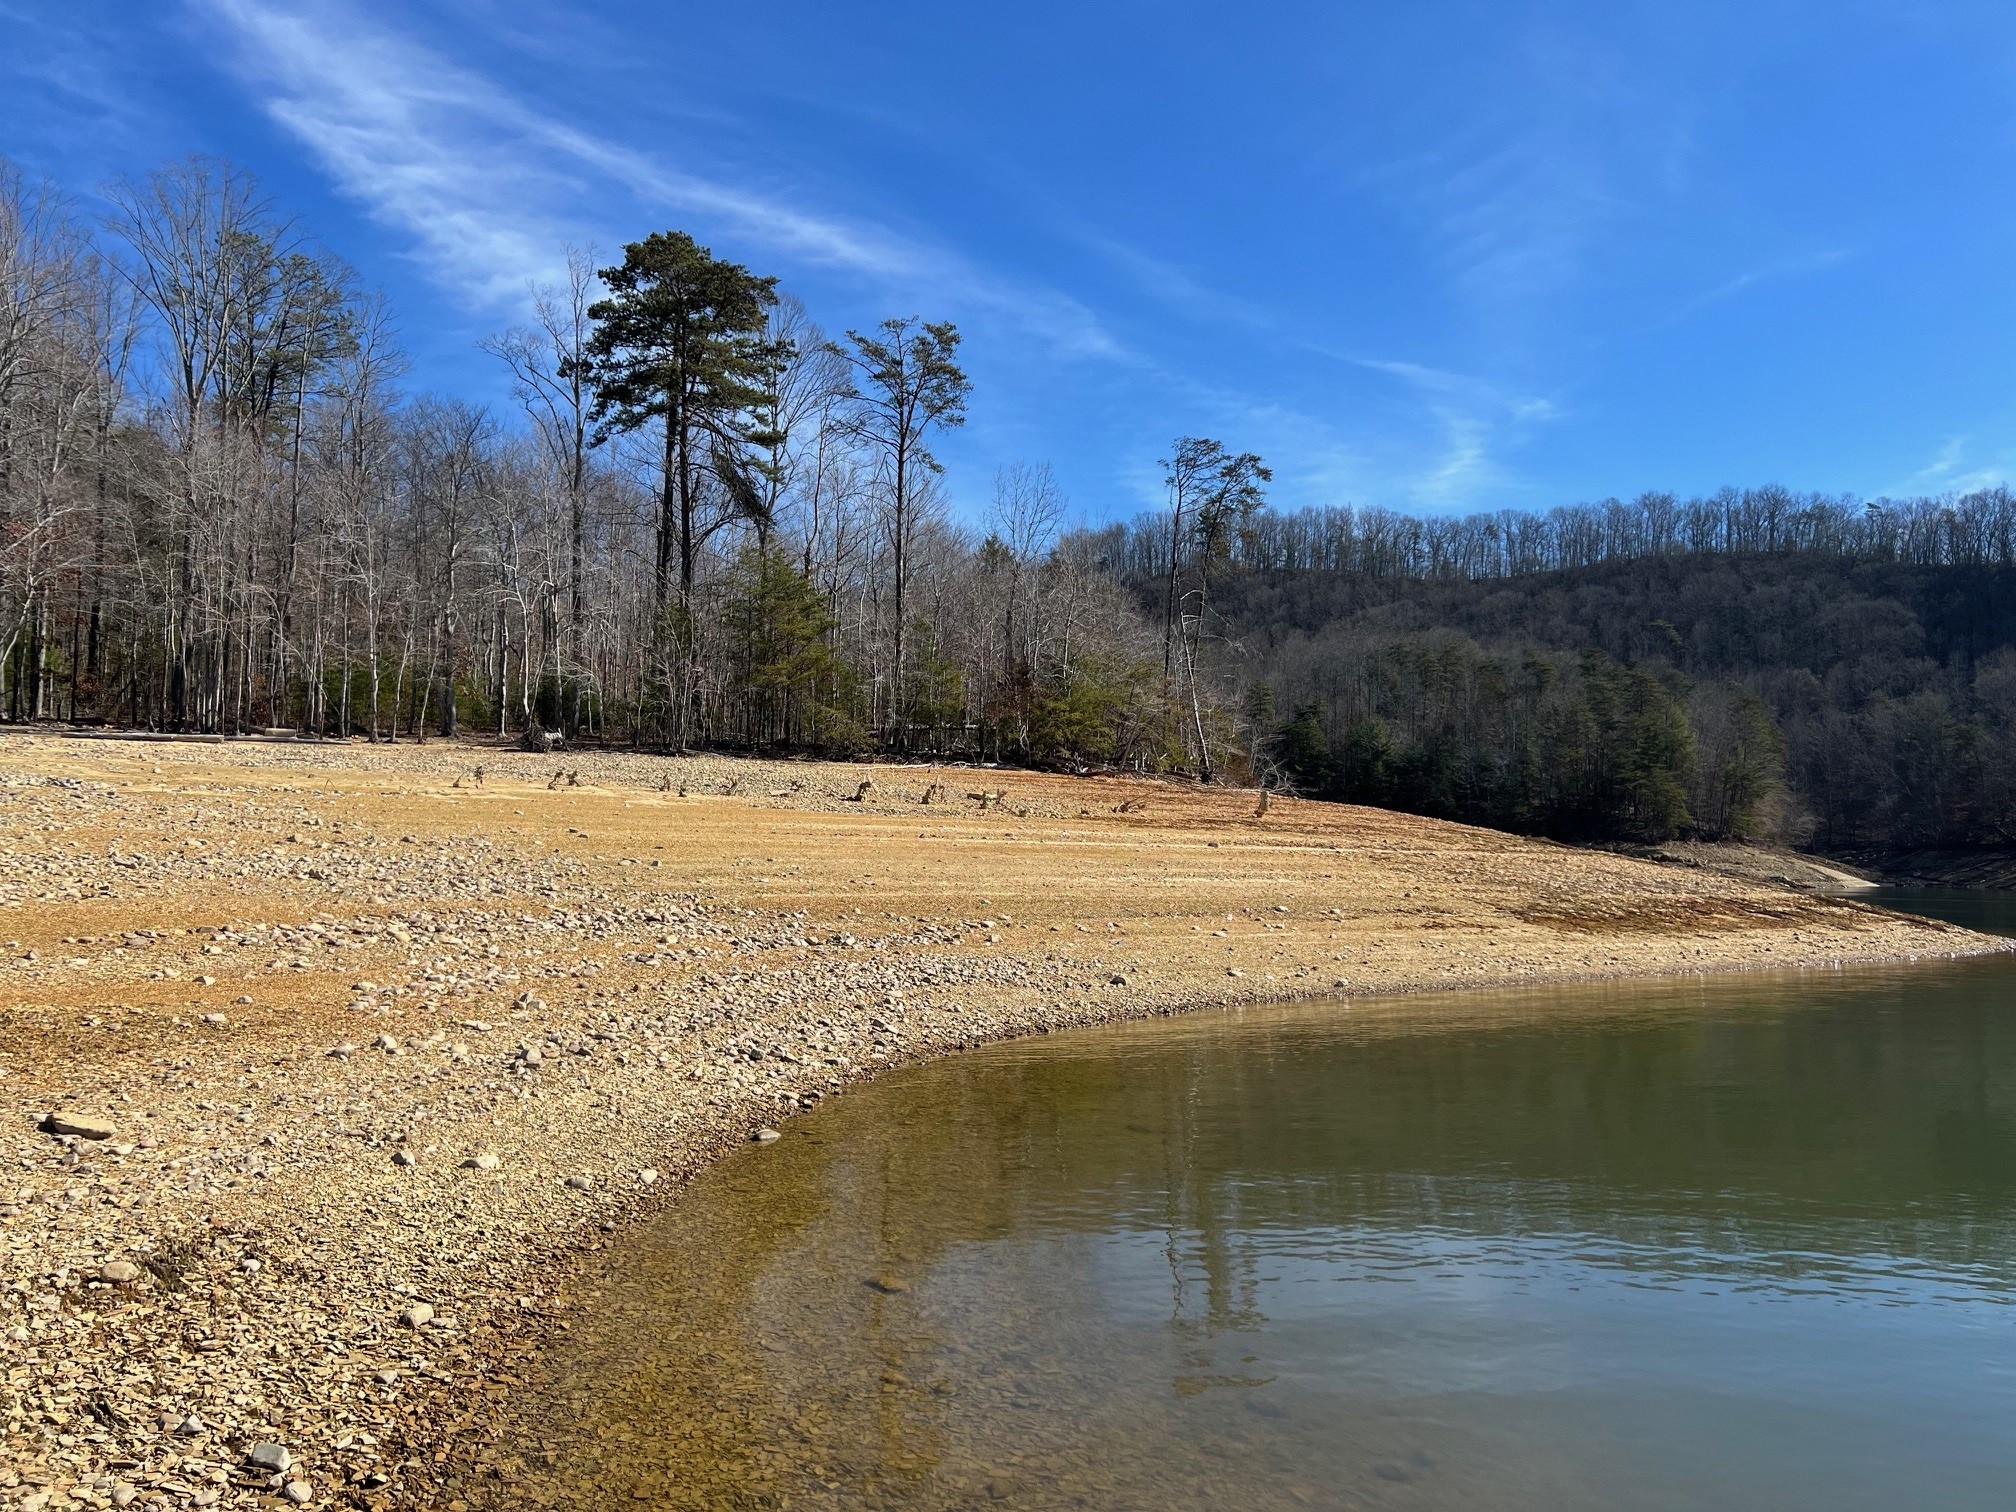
x=67, y=83
x=458, y=161
x=1415, y=449
x=491, y=189
x=1514, y=223
x=1168, y=284
x=1742, y=283
x=1952, y=468
x=1475, y=420
x=487, y=188
x=1458, y=423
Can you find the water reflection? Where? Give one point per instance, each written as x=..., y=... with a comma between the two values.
x=1990, y=910
x=1734, y=1242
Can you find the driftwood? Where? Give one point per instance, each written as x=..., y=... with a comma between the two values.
x=539, y=742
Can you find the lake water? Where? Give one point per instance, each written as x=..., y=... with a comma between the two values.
x=1729, y=1242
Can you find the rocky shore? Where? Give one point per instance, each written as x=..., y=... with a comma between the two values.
x=322, y=1067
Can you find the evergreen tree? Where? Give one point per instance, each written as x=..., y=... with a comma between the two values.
x=1303, y=751
x=680, y=342
x=791, y=684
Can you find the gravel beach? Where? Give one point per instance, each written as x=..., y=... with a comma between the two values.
x=327, y=1070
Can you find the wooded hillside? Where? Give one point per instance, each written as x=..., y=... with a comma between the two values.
x=1805, y=670
x=703, y=521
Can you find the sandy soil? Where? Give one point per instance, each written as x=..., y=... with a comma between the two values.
x=1756, y=863
x=377, y=1052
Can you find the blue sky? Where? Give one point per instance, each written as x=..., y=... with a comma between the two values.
x=1434, y=256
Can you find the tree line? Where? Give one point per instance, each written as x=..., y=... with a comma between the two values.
x=1975, y=529
x=704, y=521
x=1798, y=697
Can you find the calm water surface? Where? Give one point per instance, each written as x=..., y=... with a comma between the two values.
x=1739, y=1242
x=1990, y=910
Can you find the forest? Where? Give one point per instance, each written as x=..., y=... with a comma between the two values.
x=1756, y=664
x=1797, y=697
x=705, y=521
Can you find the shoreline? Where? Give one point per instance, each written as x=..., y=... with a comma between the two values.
x=592, y=981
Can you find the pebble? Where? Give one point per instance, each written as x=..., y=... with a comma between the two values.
x=386, y=1042
x=404, y=1158
x=416, y=1315
x=647, y=1177
x=119, y=1272
x=214, y=1018
x=764, y=1136
x=581, y=1183
x=298, y=1492
x=484, y=1162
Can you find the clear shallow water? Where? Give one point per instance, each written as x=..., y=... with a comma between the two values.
x=1739, y=1242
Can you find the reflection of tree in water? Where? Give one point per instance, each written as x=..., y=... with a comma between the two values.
x=1213, y=1277
x=897, y=1298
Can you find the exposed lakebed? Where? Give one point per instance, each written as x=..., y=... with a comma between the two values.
x=1741, y=1241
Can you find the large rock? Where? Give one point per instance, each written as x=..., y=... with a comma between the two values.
x=274, y=1459
x=79, y=1124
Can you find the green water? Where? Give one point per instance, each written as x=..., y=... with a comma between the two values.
x=1990, y=910
x=1738, y=1242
